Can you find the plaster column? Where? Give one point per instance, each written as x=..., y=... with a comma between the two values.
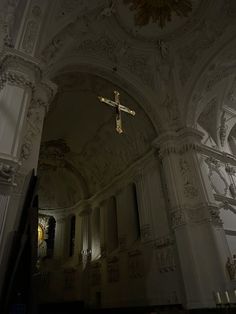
x=145, y=217
x=86, y=236
x=197, y=230
x=60, y=237
x=24, y=97
x=78, y=239
x=103, y=229
x=20, y=78
x=3, y=206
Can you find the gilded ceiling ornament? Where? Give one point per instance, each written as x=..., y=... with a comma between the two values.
x=158, y=10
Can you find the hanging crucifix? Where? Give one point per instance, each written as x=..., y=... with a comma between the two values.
x=117, y=105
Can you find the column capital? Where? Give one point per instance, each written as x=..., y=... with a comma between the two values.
x=60, y=218
x=178, y=142
x=85, y=210
x=19, y=69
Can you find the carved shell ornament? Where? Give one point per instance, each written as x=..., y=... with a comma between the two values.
x=159, y=11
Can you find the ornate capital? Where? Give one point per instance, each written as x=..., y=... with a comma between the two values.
x=178, y=142
x=60, y=219
x=18, y=69
x=202, y=213
x=85, y=210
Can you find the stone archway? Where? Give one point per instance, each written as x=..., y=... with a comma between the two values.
x=80, y=142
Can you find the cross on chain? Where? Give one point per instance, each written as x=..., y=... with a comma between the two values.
x=117, y=105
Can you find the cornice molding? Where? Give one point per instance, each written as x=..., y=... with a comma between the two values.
x=22, y=70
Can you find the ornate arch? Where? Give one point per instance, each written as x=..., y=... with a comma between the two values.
x=145, y=98
x=218, y=68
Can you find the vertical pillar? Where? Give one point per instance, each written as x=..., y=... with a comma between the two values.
x=3, y=206
x=22, y=93
x=78, y=239
x=194, y=226
x=86, y=237
x=60, y=238
x=103, y=228
x=141, y=184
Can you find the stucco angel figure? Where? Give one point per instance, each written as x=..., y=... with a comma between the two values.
x=6, y=172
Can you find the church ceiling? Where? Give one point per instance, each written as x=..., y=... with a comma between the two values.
x=166, y=58
x=168, y=51
x=80, y=139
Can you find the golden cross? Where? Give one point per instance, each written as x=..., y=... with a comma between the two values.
x=116, y=104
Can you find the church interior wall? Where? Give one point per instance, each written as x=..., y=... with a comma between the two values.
x=215, y=170
x=143, y=218
x=124, y=257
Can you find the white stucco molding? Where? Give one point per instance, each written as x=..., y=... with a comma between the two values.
x=25, y=71
x=178, y=142
x=19, y=69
